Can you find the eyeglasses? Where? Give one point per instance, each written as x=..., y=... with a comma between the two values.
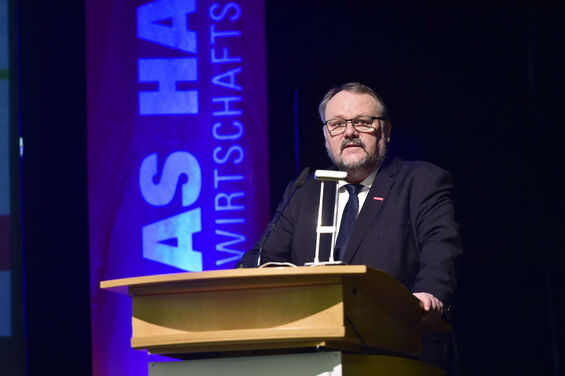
x=361, y=124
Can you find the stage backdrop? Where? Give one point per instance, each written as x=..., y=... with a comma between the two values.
x=177, y=148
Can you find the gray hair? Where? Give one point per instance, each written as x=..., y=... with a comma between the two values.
x=353, y=87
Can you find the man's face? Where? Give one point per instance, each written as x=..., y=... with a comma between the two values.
x=353, y=151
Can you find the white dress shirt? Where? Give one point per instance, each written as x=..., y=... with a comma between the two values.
x=343, y=195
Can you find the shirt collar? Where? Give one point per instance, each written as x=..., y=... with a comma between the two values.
x=366, y=183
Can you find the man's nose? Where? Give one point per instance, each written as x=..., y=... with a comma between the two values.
x=350, y=130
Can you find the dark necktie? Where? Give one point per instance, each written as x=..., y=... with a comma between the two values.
x=347, y=220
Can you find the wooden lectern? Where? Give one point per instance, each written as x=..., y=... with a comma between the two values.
x=353, y=308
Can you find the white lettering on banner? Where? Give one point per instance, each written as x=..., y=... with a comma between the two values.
x=179, y=228
x=223, y=247
x=231, y=150
x=224, y=11
x=230, y=194
x=151, y=24
x=227, y=136
x=227, y=79
x=227, y=109
x=165, y=22
x=169, y=241
x=176, y=165
x=167, y=100
x=223, y=201
x=224, y=58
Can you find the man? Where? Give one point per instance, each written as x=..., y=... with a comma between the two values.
x=405, y=218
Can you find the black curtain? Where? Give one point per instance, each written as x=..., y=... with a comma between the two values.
x=475, y=89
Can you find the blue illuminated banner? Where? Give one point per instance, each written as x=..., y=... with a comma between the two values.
x=177, y=138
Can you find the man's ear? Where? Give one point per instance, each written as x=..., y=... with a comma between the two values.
x=325, y=134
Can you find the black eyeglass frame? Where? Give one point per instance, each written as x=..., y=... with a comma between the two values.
x=342, y=129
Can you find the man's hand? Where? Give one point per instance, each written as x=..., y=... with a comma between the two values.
x=432, y=305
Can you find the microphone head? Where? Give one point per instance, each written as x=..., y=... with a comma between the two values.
x=330, y=175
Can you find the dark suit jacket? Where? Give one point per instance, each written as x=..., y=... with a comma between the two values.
x=406, y=228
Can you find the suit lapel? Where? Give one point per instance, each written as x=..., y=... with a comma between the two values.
x=373, y=203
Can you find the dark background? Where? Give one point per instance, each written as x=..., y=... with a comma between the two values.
x=476, y=89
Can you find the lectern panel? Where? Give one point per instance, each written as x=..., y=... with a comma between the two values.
x=350, y=308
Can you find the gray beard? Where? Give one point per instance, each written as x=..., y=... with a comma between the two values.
x=365, y=166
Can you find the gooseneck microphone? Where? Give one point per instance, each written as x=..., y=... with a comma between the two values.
x=297, y=184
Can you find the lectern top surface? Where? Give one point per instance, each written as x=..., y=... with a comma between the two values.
x=121, y=285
